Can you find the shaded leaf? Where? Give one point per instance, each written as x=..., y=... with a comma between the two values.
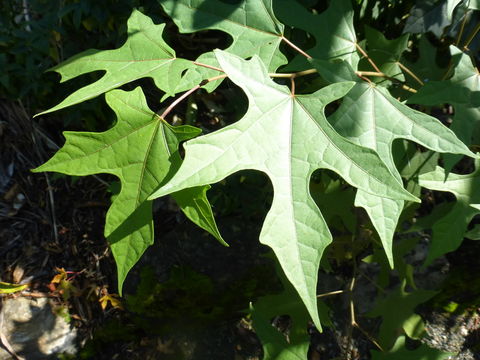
x=449, y=230
x=425, y=67
x=142, y=151
x=251, y=24
x=288, y=138
x=399, y=320
x=385, y=53
x=431, y=15
x=400, y=352
x=332, y=29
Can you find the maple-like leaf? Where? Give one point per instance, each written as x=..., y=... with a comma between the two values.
x=462, y=91
x=287, y=137
x=144, y=54
x=332, y=29
x=404, y=304
x=400, y=352
x=142, y=151
x=251, y=24
x=371, y=117
x=449, y=230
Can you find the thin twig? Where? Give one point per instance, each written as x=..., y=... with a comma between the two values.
x=411, y=73
x=292, y=81
x=370, y=73
x=471, y=36
x=290, y=75
x=359, y=48
x=330, y=293
x=368, y=336
x=208, y=66
x=295, y=47
x=176, y=102
x=52, y=207
x=460, y=33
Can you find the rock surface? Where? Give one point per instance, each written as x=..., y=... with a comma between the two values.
x=32, y=330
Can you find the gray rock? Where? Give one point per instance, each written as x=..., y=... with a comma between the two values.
x=33, y=331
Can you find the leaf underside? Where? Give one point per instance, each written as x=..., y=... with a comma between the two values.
x=288, y=138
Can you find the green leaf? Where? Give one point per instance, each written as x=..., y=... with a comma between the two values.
x=431, y=15
x=275, y=344
x=332, y=29
x=142, y=151
x=462, y=91
x=400, y=352
x=449, y=231
x=425, y=67
x=144, y=54
x=371, y=117
x=385, y=53
x=399, y=320
x=251, y=24
x=288, y=138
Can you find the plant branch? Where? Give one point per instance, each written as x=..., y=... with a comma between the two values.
x=362, y=74
x=460, y=33
x=207, y=66
x=295, y=47
x=330, y=293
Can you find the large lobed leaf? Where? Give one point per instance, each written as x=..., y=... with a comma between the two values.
x=144, y=54
x=287, y=137
x=371, y=117
x=142, y=151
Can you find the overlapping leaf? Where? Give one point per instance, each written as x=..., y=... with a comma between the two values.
x=332, y=29
x=144, y=54
x=288, y=138
x=142, y=151
x=251, y=24
x=385, y=53
x=462, y=91
x=371, y=117
x=449, y=231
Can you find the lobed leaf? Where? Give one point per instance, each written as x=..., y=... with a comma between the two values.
x=462, y=91
x=371, y=117
x=144, y=54
x=287, y=137
x=142, y=151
